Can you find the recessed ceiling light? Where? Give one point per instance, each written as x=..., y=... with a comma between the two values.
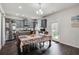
x=17, y=14
x=23, y=15
x=20, y=7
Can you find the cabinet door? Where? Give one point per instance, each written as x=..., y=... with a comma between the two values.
x=19, y=24
x=44, y=23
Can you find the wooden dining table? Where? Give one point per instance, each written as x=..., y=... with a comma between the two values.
x=27, y=39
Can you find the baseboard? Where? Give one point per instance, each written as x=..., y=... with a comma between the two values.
x=65, y=44
x=56, y=41
x=69, y=45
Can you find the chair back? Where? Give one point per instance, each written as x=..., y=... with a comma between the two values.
x=46, y=38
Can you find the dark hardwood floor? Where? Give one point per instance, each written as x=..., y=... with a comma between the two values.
x=56, y=49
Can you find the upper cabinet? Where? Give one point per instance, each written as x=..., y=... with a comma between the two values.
x=44, y=23
x=19, y=24
x=26, y=24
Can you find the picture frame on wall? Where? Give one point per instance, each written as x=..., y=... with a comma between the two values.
x=75, y=21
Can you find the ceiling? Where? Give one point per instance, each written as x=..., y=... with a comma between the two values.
x=29, y=9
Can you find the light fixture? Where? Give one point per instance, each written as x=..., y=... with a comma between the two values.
x=36, y=12
x=23, y=15
x=17, y=14
x=14, y=27
x=20, y=7
x=39, y=11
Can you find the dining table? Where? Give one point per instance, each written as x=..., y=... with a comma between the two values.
x=27, y=39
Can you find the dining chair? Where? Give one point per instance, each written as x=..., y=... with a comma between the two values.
x=45, y=39
x=18, y=42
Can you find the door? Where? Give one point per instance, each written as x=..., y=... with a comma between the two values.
x=55, y=33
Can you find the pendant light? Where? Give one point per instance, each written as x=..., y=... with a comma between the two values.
x=39, y=11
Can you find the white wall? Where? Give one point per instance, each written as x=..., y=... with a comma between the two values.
x=0, y=30
x=4, y=39
x=2, y=27
x=68, y=34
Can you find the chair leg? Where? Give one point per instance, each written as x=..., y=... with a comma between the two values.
x=18, y=50
x=49, y=43
x=34, y=45
x=28, y=48
x=43, y=44
x=40, y=45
